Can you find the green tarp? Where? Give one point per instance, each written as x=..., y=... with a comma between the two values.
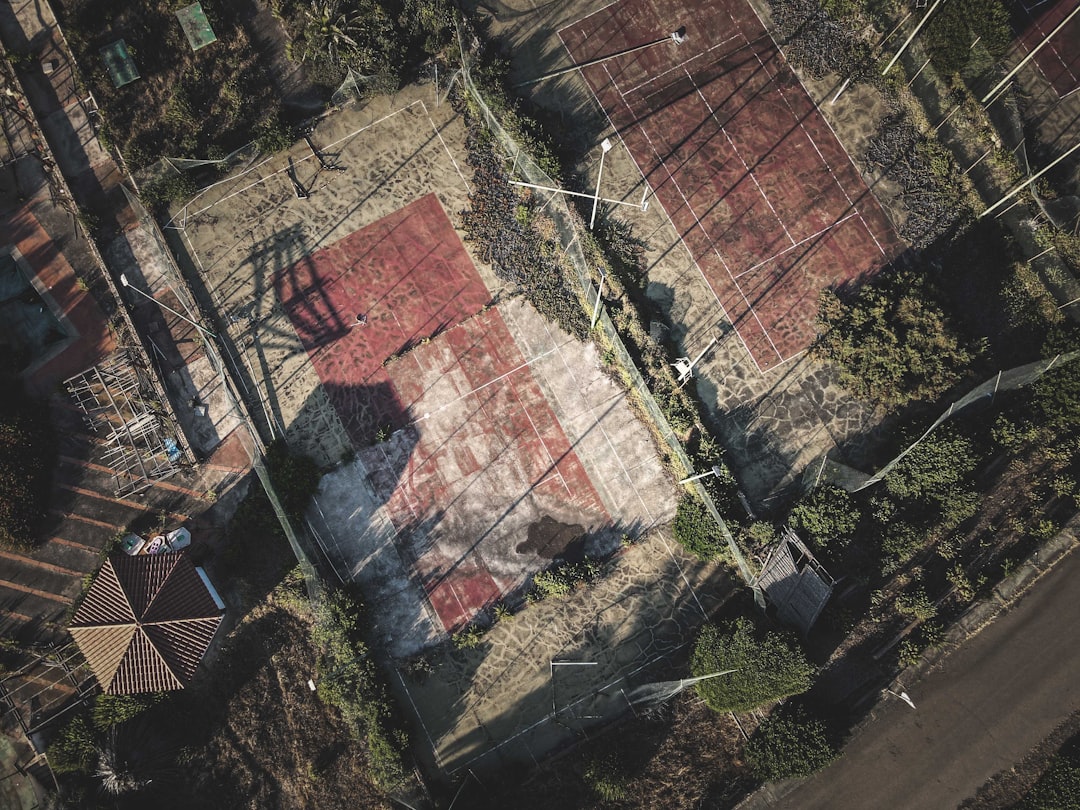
x=119, y=63
x=198, y=30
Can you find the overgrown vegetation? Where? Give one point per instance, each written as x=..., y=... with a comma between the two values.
x=563, y=579
x=207, y=103
x=79, y=746
x=790, y=743
x=349, y=680
x=27, y=456
x=817, y=42
x=696, y=531
x=892, y=341
x=187, y=104
x=295, y=478
x=827, y=518
x=967, y=30
x=511, y=232
x=383, y=41
x=1059, y=786
x=767, y=666
x=933, y=188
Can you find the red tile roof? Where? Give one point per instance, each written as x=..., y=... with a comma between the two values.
x=145, y=623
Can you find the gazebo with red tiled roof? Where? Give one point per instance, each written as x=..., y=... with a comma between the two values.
x=146, y=622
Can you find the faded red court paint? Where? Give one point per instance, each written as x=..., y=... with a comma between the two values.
x=496, y=444
x=409, y=275
x=762, y=193
x=491, y=456
x=1059, y=59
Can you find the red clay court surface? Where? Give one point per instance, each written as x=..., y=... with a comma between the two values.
x=489, y=452
x=1059, y=59
x=409, y=275
x=762, y=193
x=509, y=444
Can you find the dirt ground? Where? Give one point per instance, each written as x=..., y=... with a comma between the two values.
x=774, y=424
x=299, y=755
x=554, y=674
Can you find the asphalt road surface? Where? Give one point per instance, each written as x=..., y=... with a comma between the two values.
x=993, y=700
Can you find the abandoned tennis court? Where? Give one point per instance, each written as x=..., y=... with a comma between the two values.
x=469, y=442
x=757, y=185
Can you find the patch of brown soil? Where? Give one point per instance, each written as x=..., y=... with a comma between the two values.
x=684, y=755
x=257, y=736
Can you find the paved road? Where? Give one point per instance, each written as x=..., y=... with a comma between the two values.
x=992, y=701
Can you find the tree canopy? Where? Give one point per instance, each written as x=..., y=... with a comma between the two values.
x=767, y=667
x=934, y=468
x=789, y=743
x=827, y=517
x=892, y=341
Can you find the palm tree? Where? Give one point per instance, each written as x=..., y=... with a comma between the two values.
x=332, y=31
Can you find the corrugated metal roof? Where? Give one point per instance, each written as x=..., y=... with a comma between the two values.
x=145, y=623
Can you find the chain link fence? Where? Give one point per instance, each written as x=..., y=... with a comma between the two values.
x=568, y=238
x=170, y=167
x=848, y=478
x=253, y=445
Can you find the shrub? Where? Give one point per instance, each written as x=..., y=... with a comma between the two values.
x=513, y=244
x=169, y=189
x=112, y=710
x=1059, y=786
x=827, y=517
x=563, y=579
x=607, y=777
x=916, y=604
x=892, y=342
x=951, y=32
x=961, y=582
x=909, y=653
x=1027, y=302
x=933, y=468
x=468, y=639
x=696, y=530
x=349, y=680
x=789, y=743
x=273, y=135
x=899, y=543
x=295, y=477
x=73, y=749
x=767, y=667
x=1057, y=399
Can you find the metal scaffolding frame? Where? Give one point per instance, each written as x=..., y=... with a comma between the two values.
x=51, y=682
x=120, y=405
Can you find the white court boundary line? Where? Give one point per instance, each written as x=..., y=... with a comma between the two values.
x=1037, y=24
x=550, y=716
x=742, y=160
x=708, y=236
x=803, y=241
x=308, y=157
x=667, y=214
x=855, y=210
x=597, y=422
x=260, y=215
x=682, y=65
